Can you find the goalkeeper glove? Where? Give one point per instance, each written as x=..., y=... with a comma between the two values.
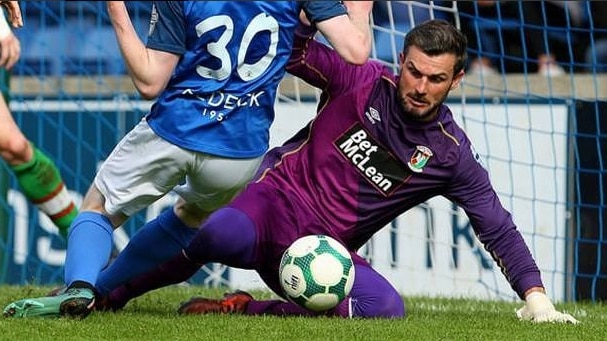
x=538, y=308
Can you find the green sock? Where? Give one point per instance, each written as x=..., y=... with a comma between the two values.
x=41, y=183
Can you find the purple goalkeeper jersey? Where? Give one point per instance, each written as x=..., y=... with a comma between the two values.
x=361, y=162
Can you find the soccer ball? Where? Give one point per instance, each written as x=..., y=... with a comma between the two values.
x=316, y=272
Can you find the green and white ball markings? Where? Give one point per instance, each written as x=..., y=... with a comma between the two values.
x=316, y=272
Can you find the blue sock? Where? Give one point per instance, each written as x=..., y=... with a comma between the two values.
x=88, y=248
x=157, y=241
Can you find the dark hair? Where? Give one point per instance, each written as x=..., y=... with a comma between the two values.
x=436, y=37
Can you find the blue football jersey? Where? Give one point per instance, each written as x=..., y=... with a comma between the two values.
x=220, y=98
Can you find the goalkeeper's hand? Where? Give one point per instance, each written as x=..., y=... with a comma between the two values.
x=538, y=308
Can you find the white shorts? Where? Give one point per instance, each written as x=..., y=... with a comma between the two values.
x=143, y=167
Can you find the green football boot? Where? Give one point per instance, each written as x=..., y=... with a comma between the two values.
x=75, y=303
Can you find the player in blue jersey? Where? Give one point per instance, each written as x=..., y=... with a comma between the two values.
x=213, y=68
x=379, y=145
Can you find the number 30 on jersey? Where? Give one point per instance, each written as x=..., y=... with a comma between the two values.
x=218, y=49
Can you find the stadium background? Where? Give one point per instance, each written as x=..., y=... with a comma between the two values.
x=540, y=137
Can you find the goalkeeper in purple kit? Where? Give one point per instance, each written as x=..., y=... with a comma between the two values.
x=379, y=145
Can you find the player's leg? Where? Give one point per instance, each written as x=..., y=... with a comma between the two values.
x=372, y=296
x=41, y=182
x=78, y=299
x=212, y=182
x=37, y=175
x=141, y=169
x=15, y=149
x=156, y=242
x=228, y=236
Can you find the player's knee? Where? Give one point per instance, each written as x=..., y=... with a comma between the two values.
x=390, y=305
x=386, y=304
x=227, y=237
x=190, y=214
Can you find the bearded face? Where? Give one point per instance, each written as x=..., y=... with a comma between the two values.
x=425, y=82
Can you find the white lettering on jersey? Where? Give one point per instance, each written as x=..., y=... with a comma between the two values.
x=219, y=103
x=359, y=150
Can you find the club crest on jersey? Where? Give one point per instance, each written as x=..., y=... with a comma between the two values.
x=419, y=159
x=372, y=160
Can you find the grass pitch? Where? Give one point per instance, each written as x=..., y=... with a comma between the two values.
x=153, y=317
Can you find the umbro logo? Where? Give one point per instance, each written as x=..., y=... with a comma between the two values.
x=373, y=115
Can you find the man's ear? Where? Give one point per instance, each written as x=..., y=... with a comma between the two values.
x=457, y=79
